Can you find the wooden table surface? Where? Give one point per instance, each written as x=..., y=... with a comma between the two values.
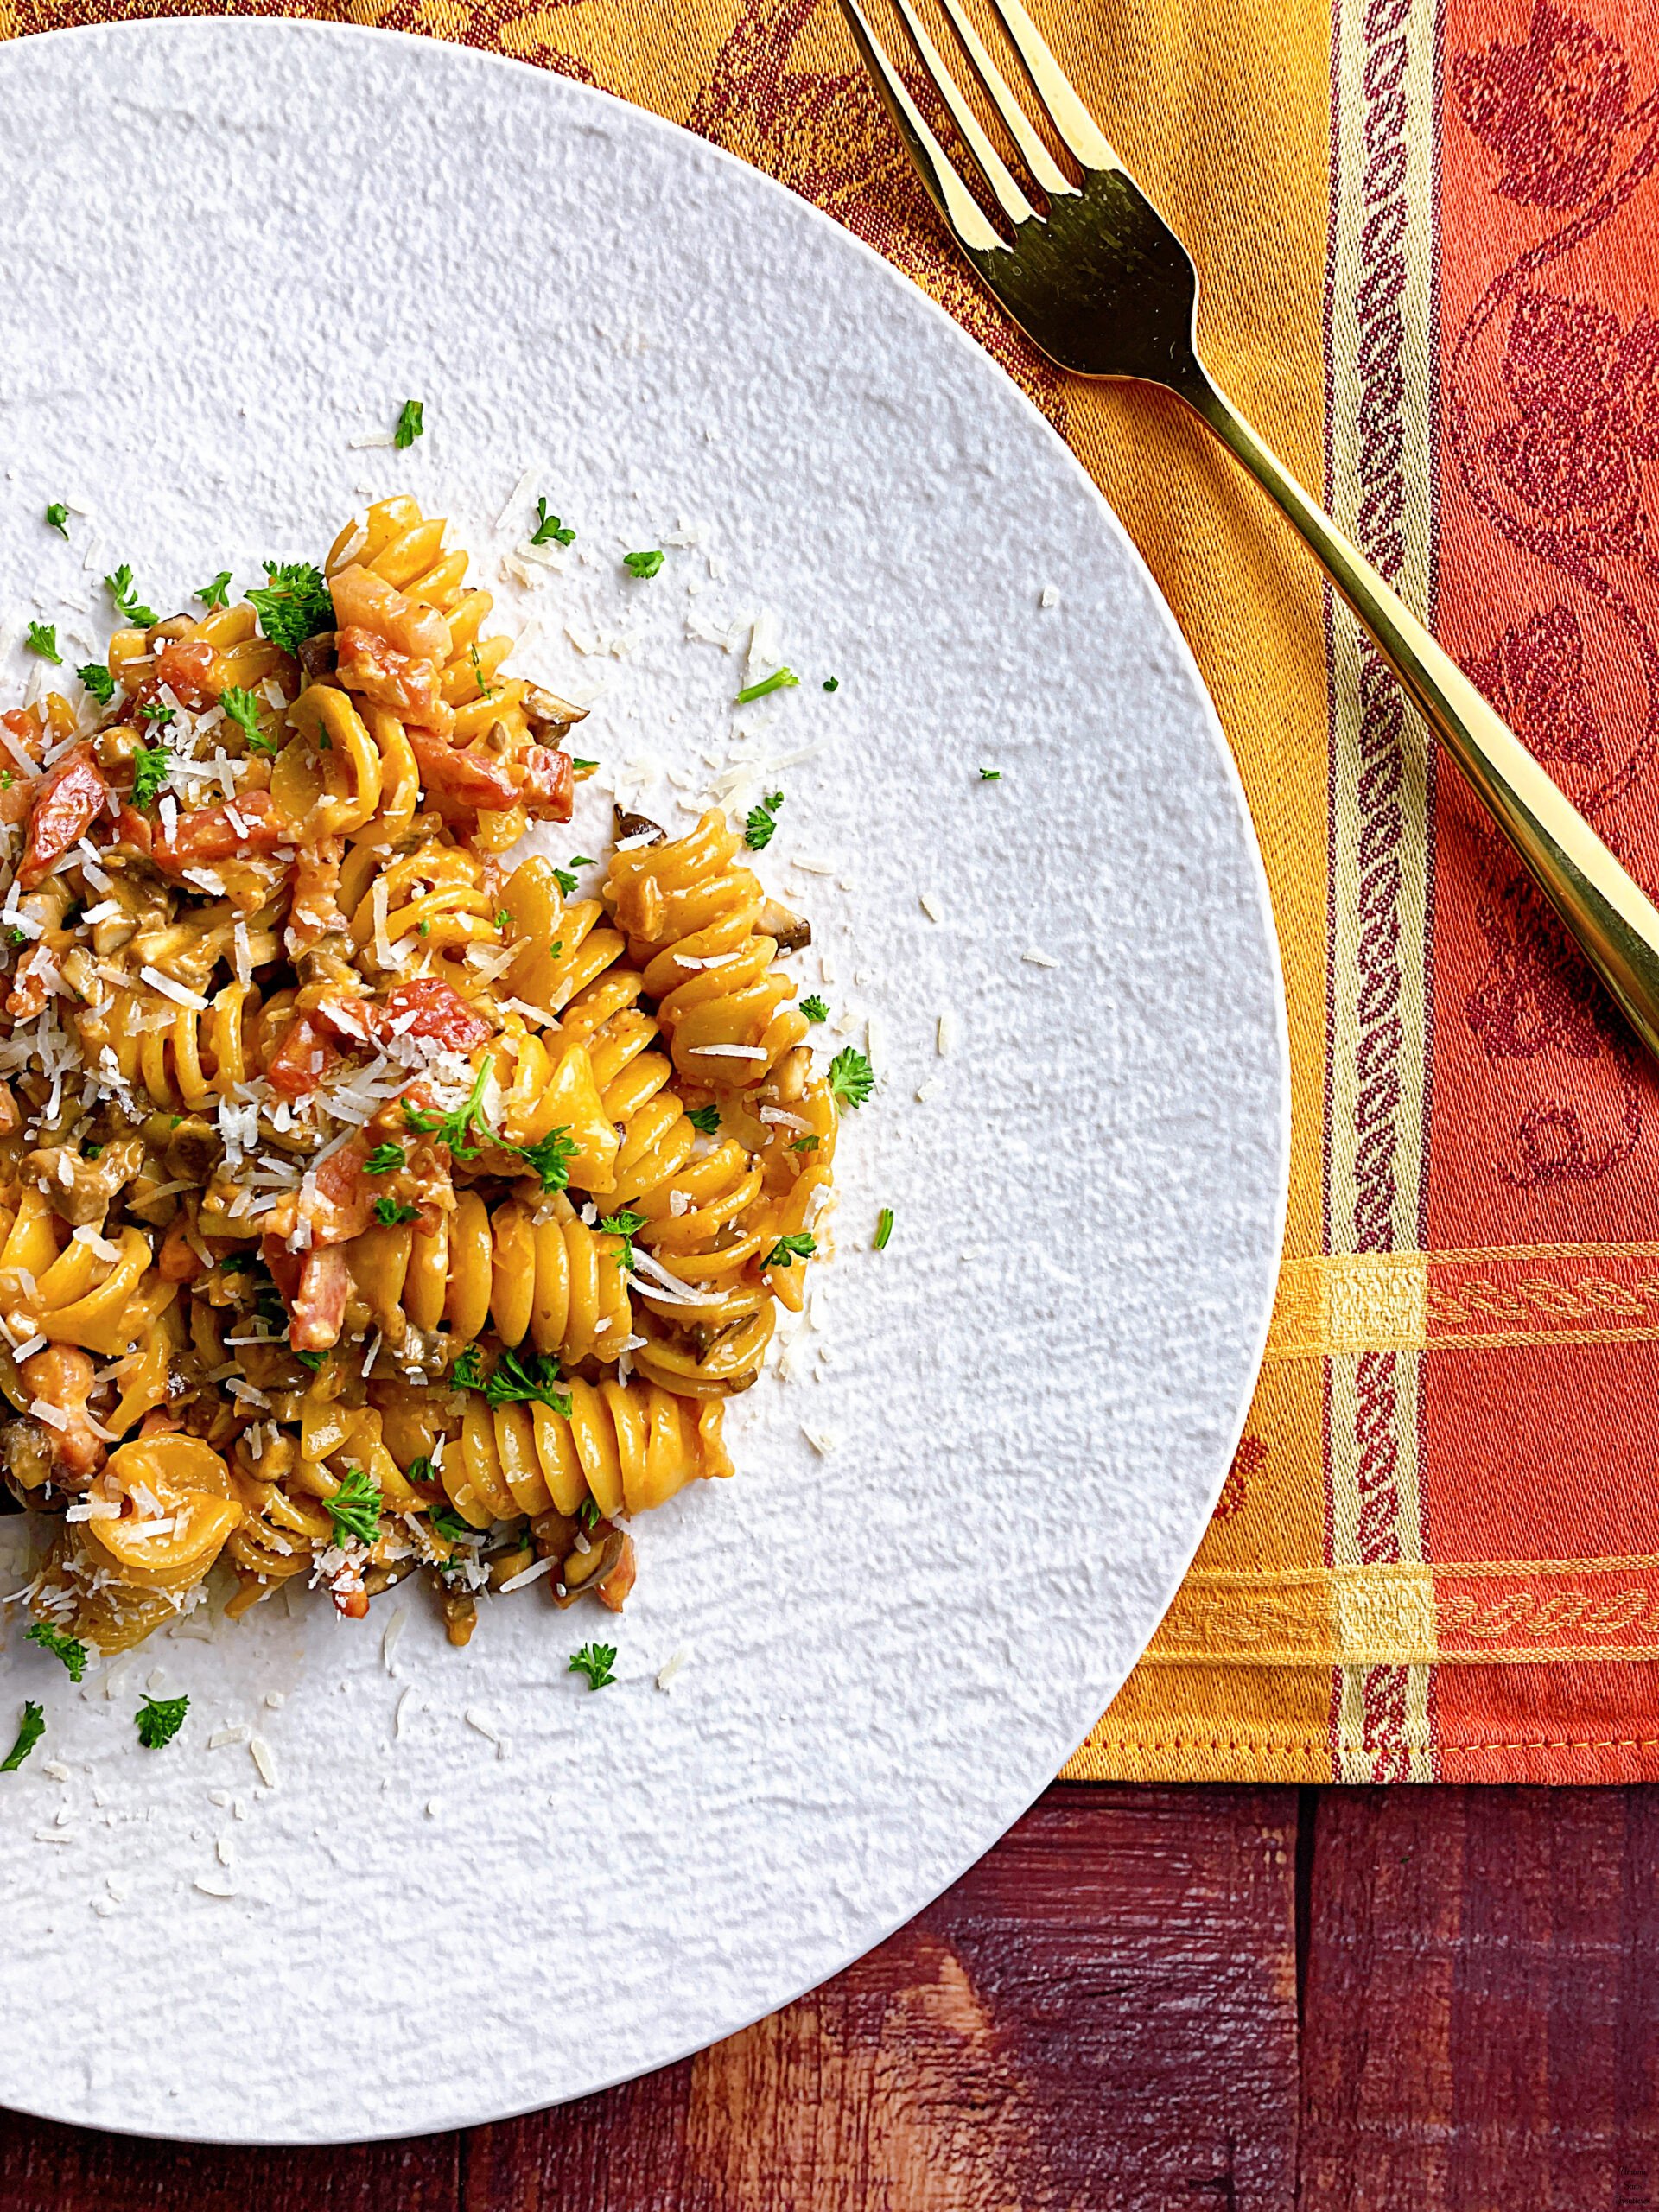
x=1342, y=2001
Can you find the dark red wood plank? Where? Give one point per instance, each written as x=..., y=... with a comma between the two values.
x=1482, y=2017
x=44, y=2168
x=1101, y=2013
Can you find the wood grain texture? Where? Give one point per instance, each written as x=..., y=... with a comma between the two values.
x=1101, y=2013
x=45, y=2167
x=1482, y=2002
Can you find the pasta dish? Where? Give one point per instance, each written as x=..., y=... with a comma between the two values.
x=370, y=1204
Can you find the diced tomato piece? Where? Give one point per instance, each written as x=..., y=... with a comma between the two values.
x=66, y=806
x=439, y=1011
x=305, y=1056
x=252, y=823
x=463, y=779
x=338, y=1202
x=368, y=664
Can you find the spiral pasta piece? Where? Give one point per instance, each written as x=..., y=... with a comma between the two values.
x=627, y=1446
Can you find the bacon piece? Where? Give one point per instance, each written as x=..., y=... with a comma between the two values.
x=363, y=600
x=66, y=806
x=337, y=1200
x=61, y=1376
x=461, y=780
x=185, y=666
x=319, y=1302
x=366, y=664
x=31, y=986
x=251, y=823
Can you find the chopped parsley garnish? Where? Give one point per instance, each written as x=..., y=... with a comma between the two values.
x=311, y=1360
x=29, y=1732
x=549, y=1157
x=385, y=1160
x=805, y=1144
x=5, y=780
x=759, y=824
x=642, y=564
x=453, y=1129
x=69, y=1648
x=627, y=1227
x=587, y=1514
x=295, y=604
x=410, y=424
x=242, y=709
x=883, y=1228
x=566, y=879
x=583, y=767
x=159, y=1720
x=57, y=517
x=483, y=690
x=990, y=775
x=90, y=1151
x=532, y=1381
x=548, y=528
x=421, y=1469
x=156, y=713
x=43, y=639
x=467, y=1372
x=354, y=1508
x=781, y=679
x=18, y=935
x=851, y=1078
x=704, y=1118
x=149, y=767
x=390, y=1211
x=595, y=1661
x=119, y=587
x=832, y=683
x=99, y=681
x=452, y=1527
x=503, y=919
x=815, y=1009
x=788, y=1249
x=214, y=594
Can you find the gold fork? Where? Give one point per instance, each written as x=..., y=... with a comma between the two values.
x=1106, y=289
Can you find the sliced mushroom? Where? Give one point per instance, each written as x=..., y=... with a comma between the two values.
x=638, y=825
x=193, y=1151
x=554, y=714
x=793, y=932
x=318, y=655
x=581, y=1571
x=80, y=1191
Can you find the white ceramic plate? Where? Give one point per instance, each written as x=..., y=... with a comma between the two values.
x=232, y=248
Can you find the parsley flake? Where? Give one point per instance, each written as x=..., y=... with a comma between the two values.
x=119, y=587
x=467, y=1374
x=704, y=1118
x=99, y=681
x=43, y=639
x=595, y=1661
x=390, y=1211
x=214, y=593
x=57, y=517
x=781, y=679
x=293, y=605
x=565, y=878
x=354, y=1508
x=587, y=1514
x=242, y=709
x=883, y=1228
x=642, y=564
x=805, y=1144
x=452, y=1528
x=149, y=767
x=453, y=1129
x=154, y=712
x=503, y=919
x=29, y=1732
x=627, y=1227
x=990, y=775
x=159, y=1720
x=832, y=683
x=410, y=424
x=815, y=1009
x=851, y=1078
x=788, y=1249
x=759, y=824
x=69, y=1648
x=583, y=767
x=384, y=1159
x=527, y=1381
x=549, y=530
x=549, y=1157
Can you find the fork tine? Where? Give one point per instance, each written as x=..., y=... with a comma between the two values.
x=1076, y=126
x=1035, y=154
x=992, y=167
x=944, y=187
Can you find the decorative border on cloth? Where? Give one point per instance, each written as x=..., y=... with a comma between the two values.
x=1347, y=1305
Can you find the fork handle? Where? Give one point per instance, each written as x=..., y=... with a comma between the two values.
x=1608, y=913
